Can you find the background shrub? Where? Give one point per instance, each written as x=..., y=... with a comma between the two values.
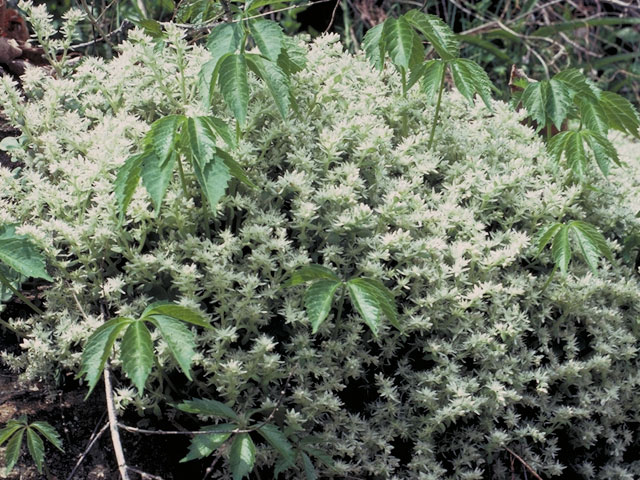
x=488, y=358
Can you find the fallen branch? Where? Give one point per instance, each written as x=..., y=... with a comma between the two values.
x=94, y=438
x=525, y=464
x=113, y=425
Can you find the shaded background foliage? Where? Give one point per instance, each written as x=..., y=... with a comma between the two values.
x=542, y=37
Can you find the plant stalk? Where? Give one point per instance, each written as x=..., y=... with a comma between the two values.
x=4, y=281
x=113, y=425
x=437, y=113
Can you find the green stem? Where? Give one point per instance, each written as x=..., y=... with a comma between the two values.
x=4, y=281
x=435, y=117
x=341, y=302
x=9, y=327
x=546, y=284
x=182, y=179
x=548, y=132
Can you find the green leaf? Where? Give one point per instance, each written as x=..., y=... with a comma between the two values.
x=49, y=433
x=320, y=455
x=221, y=128
x=575, y=154
x=235, y=169
x=253, y=5
x=163, y=136
x=20, y=254
x=275, y=79
x=98, y=349
x=311, y=272
x=592, y=115
x=581, y=87
x=558, y=144
x=234, y=85
x=560, y=249
x=309, y=470
x=318, y=299
x=136, y=352
x=213, y=178
x=180, y=341
x=200, y=140
x=293, y=57
x=279, y=442
x=603, y=150
x=398, y=38
x=10, y=143
x=268, y=37
x=546, y=236
x=558, y=100
x=178, y=312
x=242, y=456
x=126, y=182
x=367, y=303
x=486, y=45
x=12, y=453
x=386, y=301
x=9, y=430
x=591, y=243
x=157, y=175
x=548, y=99
x=374, y=47
x=437, y=32
x=36, y=448
x=204, y=445
x=203, y=406
x=620, y=113
x=432, y=78
x=470, y=79
x=224, y=39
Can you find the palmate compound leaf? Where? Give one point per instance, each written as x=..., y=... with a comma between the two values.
x=309, y=470
x=177, y=312
x=178, y=338
x=547, y=99
x=591, y=243
x=621, y=114
x=136, y=353
x=213, y=176
x=204, y=406
x=11, y=428
x=437, y=32
x=202, y=446
x=293, y=57
x=49, y=433
x=275, y=79
x=371, y=303
x=571, y=145
x=374, y=47
x=234, y=85
x=560, y=249
x=470, y=79
x=98, y=349
x=163, y=136
x=318, y=299
x=432, y=78
x=310, y=273
x=224, y=39
x=12, y=452
x=242, y=456
x=268, y=36
x=20, y=254
x=35, y=446
x=279, y=442
x=127, y=180
x=156, y=175
x=398, y=38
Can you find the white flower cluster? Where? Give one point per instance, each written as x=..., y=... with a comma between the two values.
x=487, y=357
